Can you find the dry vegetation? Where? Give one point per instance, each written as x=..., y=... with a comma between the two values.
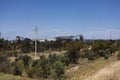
x=11, y=77
x=110, y=72
x=98, y=70
x=46, y=53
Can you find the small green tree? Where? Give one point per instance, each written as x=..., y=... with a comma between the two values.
x=44, y=67
x=31, y=71
x=17, y=69
x=104, y=53
x=21, y=64
x=72, y=55
x=64, y=59
x=35, y=63
x=26, y=60
x=4, y=63
x=118, y=55
x=59, y=70
x=26, y=46
x=106, y=56
x=53, y=58
x=73, y=50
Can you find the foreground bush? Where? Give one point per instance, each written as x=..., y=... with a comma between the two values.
x=17, y=69
x=104, y=53
x=4, y=63
x=59, y=70
x=118, y=55
x=43, y=67
x=26, y=60
x=31, y=72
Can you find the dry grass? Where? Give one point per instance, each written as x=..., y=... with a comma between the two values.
x=46, y=53
x=110, y=72
x=11, y=77
x=97, y=70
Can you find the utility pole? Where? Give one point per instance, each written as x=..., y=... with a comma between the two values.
x=93, y=41
x=110, y=35
x=0, y=35
x=36, y=31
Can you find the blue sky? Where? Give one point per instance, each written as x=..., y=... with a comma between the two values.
x=92, y=18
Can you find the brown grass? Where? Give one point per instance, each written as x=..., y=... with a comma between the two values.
x=97, y=70
x=11, y=77
x=110, y=72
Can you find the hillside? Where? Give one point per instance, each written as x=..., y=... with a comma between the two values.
x=97, y=70
x=110, y=72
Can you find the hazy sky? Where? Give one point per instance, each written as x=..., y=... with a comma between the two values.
x=92, y=18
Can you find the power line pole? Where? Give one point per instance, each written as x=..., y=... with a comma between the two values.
x=0, y=35
x=93, y=41
x=36, y=31
x=110, y=35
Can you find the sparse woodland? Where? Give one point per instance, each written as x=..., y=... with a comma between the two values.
x=79, y=56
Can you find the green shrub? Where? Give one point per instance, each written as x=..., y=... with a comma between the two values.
x=17, y=69
x=31, y=71
x=59, y=70
x=104, y=53
x=43, y=67
x=118, y=55
x=53, y=58
x=4, y=63
x=35, y=63
x=64, y=59
x=106, y=56
x=26, y=60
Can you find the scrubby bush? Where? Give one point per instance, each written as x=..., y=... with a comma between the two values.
x=118, y=55
x=53, y=58
x=26, y=60
x=106, y=56
x=64, y=59
x=59, y=70
x=35, y=63
x=21, y=64
x=104, y=53
x=89, y=55
x=31, y=72
x=73, y=56
x=44, y=67
x=17, y=69
x=4, y=63
x=73, y=51
x=4, y=67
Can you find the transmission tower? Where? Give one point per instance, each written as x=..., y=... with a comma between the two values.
x=36, y=31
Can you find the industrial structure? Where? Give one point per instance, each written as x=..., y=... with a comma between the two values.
x=67, y=37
